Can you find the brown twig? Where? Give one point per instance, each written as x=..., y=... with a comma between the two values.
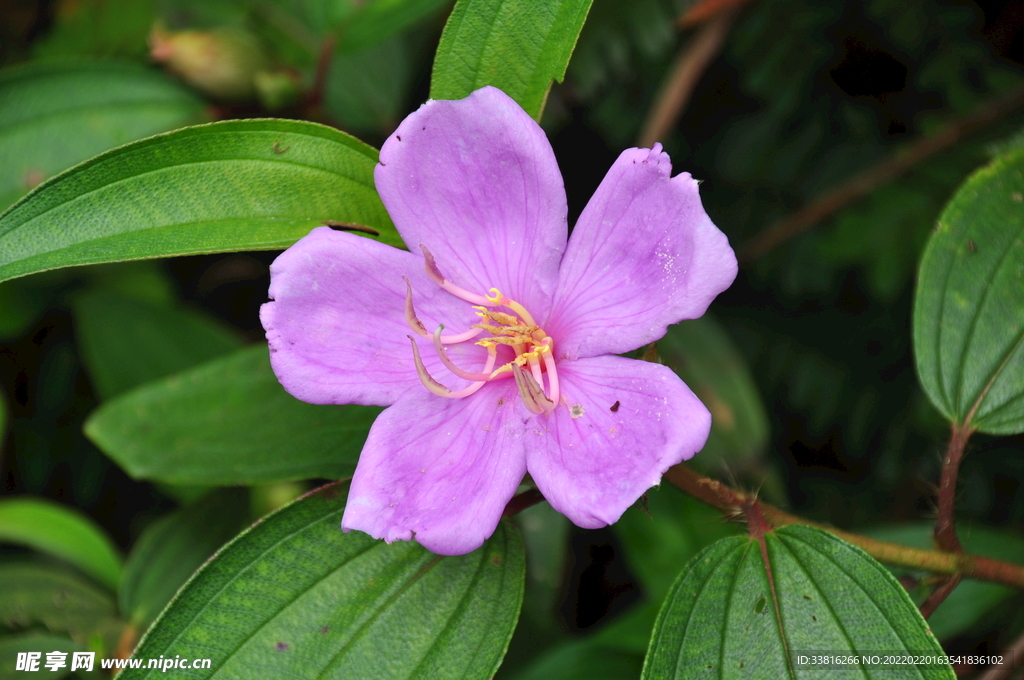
x=945, y=527
x=1014, y=657
x=522, y=502
x=732, y=502
x=315, y=95
x=690, y=63
x=936, y=597
x=708, y=9
x=863, y=182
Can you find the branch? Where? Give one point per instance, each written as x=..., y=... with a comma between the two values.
x=522, y=502
x=945, y=527
x=889, y=168
x=690, y=63
x=733, y=502
x=940, y=593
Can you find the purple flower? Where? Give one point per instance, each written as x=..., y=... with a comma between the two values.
x=514, y=332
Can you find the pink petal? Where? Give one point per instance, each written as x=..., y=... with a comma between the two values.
x=644, y=255
x=627, y=422
x=476, y=182
x=440, y=470
x=336, y=325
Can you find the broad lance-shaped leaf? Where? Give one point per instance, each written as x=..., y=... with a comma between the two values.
x=294, y=592
x=518, y=46
x=54, y=597
x=228, y=422
x=723, y=616
x=234, y=185
x=62, y=532
x=171, y=549
x=58, y=114
x=969, y=306
x=126, y=343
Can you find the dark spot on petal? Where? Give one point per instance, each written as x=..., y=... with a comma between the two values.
x=501, y=401
x=614, y=407
x=398, y=137
x=424, y=127
x=281, y=646
x=324, y=630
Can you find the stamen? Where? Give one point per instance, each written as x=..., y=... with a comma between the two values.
x=410, y=312
x=492, y=354
x=436, y=387
x=425, y=378
x=417, y=326
x=533, y=397
x=435, y=273
x=549, y=362
x=535, y=368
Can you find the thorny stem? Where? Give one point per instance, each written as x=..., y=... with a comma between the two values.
x=889, y=168
x=733, y=502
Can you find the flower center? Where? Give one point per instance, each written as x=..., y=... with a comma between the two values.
x=532, y=366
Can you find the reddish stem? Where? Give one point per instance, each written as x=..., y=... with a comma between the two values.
x=522, y=502
x=945, y=527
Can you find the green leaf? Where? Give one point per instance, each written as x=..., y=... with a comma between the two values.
x=582, y=660
x=54, y=597
x=295, y=592
x=234, y=185
x=721, y=618
x=703, y=355
x=35, y=642
x=171, y=549
x=969, y=306
x=55, y=115
x=518, y=46
x=102, y=28
x=668, y=532
x=126, y=343
x=4, y=417
x=228, y=422
x=374, y=22
x=972, y=601
x=546, y=537
x=62, y=532
x=366, y=90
